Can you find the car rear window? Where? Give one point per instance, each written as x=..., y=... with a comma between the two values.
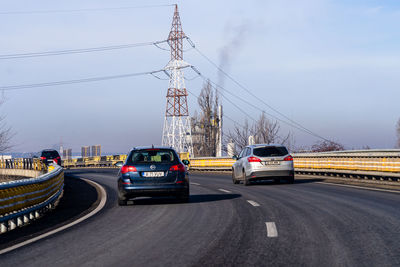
x=50, y=154
x=270, y=151
x=152, y=156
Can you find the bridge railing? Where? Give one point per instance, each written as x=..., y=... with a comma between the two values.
x=27, y=199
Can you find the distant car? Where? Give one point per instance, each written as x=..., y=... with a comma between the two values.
x=262, y=162
x=152, y=171
x=49, y=156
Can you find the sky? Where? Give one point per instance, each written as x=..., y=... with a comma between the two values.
x=332, y=66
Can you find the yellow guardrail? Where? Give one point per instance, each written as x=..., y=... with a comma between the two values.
x=101, y=161
x=211, y=163
x=26, y=199
x=360, y=161
x=353, y=164
x=363, y=160
x=23, y=163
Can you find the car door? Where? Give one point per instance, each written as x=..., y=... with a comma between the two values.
x=236, y=166
x=245, y=163
x=242, y=162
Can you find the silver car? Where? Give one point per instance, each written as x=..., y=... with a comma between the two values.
x=261, y=162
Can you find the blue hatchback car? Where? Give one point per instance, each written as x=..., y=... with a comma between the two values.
x=152, y=171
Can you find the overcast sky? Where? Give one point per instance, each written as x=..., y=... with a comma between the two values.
x=332, y=66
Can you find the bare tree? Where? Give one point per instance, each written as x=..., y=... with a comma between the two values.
x=398, y=133
x=204, y=126
x=324, y=146
x=263, y=130
x=267, y=132
x=5, y=133
x=240, y=135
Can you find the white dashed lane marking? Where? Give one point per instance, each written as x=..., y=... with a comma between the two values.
x=253, y=203
x=194, y=183
x=225, y=191
x=271, y=229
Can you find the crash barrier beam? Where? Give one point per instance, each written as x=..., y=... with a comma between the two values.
x=367, y=163
x=28, y=199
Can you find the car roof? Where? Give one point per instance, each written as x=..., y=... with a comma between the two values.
x=266, y=145
x=151, y=147
x=49, y=150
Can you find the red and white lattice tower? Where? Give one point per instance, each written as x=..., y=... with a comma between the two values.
x=177, y=130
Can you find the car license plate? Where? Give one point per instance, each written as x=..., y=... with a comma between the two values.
x=153, y=174
x=272, y=163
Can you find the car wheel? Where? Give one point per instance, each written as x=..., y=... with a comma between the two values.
x=184, y=197
x=233, y=178
x=122, y=199
x=122, y=202
x=246, y=181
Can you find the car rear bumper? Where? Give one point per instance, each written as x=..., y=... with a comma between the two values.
x=271, y=174
x=153, y=190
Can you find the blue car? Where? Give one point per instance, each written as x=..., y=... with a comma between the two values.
x=152, y=171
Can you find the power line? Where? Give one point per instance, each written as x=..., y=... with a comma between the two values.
x=94, y=79
x=79, y=50
x=84, y=80
x=249, y=92
x=254, y=106
x=80, y=10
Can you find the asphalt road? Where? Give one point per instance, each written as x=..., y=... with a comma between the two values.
x=303, y=224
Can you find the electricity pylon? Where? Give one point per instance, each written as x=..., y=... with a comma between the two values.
x=177, y=129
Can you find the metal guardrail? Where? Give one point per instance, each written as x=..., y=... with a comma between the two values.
x=210, y=163
x=24, y=200
x=96, y=162
x=361, y=163
x=23, y=163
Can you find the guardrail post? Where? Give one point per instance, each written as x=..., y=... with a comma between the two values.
x=19, y=222
x=11, y=224
x=3, y=228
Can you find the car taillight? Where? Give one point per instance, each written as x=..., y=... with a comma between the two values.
x=55, y=160
x=126, y=169
x=42, y=158
x=288, y=158
x=179, y=167
x=253, y=159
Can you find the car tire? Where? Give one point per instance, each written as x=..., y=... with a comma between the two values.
x=122, y=199
x=184, y=197
x=290, y=179
x=233, y=178
x=122, y=202
x=246, y=181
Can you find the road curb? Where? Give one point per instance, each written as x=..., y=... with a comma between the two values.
x=103, y=200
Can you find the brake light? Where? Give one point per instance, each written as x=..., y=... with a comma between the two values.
x=126, y=169
x=55, y=160
x=288, y=158
x=179, y=167
x=253, y=159
x=42, y=158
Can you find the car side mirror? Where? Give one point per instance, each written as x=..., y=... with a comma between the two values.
x=119, y=164
x=186, y=162
x=235, y=157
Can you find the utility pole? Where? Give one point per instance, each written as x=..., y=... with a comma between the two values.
x=219, y=133
x=177, y=130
